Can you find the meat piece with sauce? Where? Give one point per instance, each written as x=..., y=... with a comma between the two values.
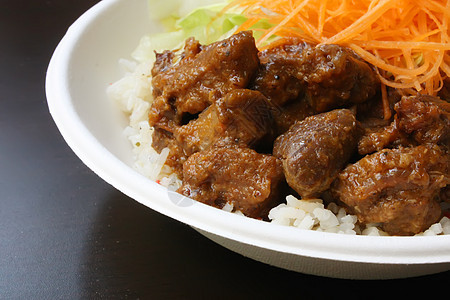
x=316, y=149
x=252, y=182
x=426, y=118
x=278, y=76
x=336, y=77
x=398, y=188
x=241, y=117
x=286, y=116
x=185, y=85
x=377, y=138
x=331, y=76
x=301, y=79
x=419, y=120
x=444, y=93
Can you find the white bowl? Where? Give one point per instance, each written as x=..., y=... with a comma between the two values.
x=83, y=65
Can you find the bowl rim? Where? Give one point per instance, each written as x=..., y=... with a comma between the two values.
x=340, y=247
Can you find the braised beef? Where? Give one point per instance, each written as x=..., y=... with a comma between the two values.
x=377, y=138
x=164, y=139
x=185, y=85
x=252, y=182
x=290, y=113
x=331, y=76
x=418, y=120
x=444, y=93
x=220, y=67
x=242, y=117
x=336, y=77
x=215, y=106
x=426, y=118
x=445, y=194
x=398, y=188
x=278, y=76
x=163, y=61
x=316, y=149
x=373, y=112
x=326, y=76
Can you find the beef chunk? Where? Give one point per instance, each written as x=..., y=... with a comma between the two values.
x=316, y=149
x=278, y=76
x=419, y=120
x=241, y=117
x=378, y=138
x=186, y=86
x=374, y=110
x=426, y=118
x=286, y=116
x=396, y=187
x=332, y=76
x=164, y=139
x=444, y=93
x=445, y=194
x=250, y=181
x=163, y=61
x=336, y=77
x=326, y=76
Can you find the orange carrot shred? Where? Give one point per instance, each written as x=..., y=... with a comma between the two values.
x=407, y=41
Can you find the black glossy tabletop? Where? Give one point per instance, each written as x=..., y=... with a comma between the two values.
x=67, y=234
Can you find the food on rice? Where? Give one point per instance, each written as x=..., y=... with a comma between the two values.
x=398, y=188
x=205, y=120
x=232, y=173
x=185, y=85
x=315, y=150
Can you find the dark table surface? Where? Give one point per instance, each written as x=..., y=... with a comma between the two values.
x=66, y=234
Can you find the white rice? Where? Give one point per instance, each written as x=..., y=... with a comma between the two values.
x=313, y=215
x=133, y=95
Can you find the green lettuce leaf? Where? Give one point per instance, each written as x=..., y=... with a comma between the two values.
x=204, y=23
x=183, y=19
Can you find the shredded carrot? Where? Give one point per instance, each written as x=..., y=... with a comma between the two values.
x=407, y=41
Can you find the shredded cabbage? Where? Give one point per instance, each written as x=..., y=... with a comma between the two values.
x=184, y=19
